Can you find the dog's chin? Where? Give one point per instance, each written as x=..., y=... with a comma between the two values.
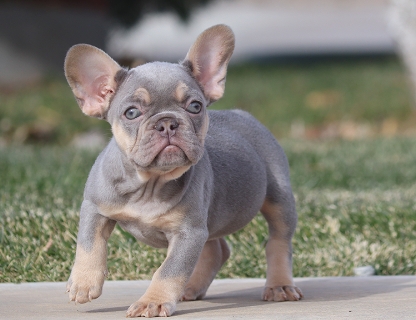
x=170, y=163
x=169, y=158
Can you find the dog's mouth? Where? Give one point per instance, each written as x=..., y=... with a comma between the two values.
x=170, y=149
x=165, y=157
x=170, y=156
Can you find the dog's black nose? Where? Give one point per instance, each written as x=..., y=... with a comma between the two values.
x=167, y=126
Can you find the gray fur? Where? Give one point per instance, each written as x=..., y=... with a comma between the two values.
x=230, y=173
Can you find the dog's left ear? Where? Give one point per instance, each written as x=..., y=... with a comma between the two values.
x=208, y=59
x=91, y=75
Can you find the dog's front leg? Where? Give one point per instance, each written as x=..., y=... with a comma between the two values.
x=168, y=282
x=90, y=267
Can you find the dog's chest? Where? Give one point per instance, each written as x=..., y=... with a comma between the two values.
x=143, y=211
x=147, y=221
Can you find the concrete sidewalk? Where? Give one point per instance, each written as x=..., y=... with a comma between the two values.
x=376, y=297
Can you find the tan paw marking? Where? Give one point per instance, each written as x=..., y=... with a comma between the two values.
x=191, y=295
x=282, y=293
x=85, y=288
x=151, y=309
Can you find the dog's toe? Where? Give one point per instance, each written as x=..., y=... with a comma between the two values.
x=293, y=293
x=282, y=293
x=150, y=309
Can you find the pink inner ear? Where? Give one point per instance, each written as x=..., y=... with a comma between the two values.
x=216, y=85
x=101, y=87
x=207, y=65
x=212, y=74
x=90, y=73
x=94, y=96
x=209, y=56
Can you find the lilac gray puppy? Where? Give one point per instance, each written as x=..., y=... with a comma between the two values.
x=175, y=175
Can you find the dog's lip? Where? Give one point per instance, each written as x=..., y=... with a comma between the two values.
x=170, y=147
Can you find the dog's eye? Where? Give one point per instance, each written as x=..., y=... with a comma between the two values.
x=132, y=113
x=194, y=107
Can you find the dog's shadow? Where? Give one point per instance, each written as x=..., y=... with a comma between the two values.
x=105, y=310
x=328, y=289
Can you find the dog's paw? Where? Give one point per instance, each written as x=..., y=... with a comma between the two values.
x=282, y=293
x=191, y=294
x=84, y=287
x=150, y=309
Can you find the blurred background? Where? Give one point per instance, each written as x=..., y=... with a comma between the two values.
x=334, y=80
x=316, y=69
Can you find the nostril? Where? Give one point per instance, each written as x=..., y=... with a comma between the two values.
x=160, y=127
x=174, y=125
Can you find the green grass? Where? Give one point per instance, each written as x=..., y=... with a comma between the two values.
x=317, y=94
x=45, y=113
x=355, y=201
x=280, y=96
x=356, y=206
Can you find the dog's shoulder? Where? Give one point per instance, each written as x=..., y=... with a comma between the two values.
x=238, y=130
x=232, y=135
x=109, y=176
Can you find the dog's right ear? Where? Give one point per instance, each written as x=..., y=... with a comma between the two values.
x=91, y=73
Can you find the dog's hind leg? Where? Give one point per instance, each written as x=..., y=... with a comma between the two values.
x=213, y=256
x=281, y=218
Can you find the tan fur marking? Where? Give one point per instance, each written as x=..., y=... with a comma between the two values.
x=175, y=173
x=172, y=220
x=165, y=176
x=160, y=298
x=166, y=289
x=114, y=213
x=90, y=269
x=204, y=130
x=272, y=212
x=97, y=257
x=143, y=94
x=180, y=91
x=278, y=251
x=122, y=137
x=144, y=176
x=279, y=269
x=86, y=261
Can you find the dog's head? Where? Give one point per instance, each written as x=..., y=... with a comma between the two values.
x=157, y=111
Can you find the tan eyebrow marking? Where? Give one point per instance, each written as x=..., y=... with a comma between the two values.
x=142, y=94
x=180, y=91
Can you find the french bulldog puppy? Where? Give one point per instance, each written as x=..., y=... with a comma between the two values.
x=175, y=175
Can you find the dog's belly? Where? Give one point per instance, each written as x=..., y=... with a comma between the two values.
x=228, y=224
